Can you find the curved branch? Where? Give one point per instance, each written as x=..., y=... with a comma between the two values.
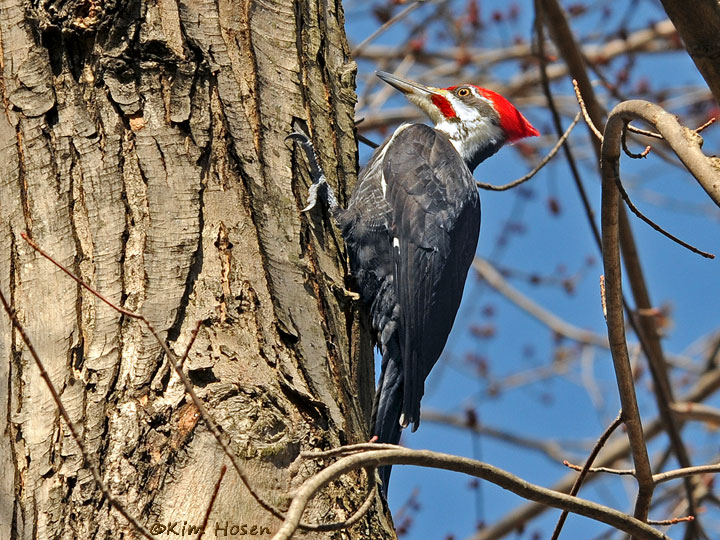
x=685, y=142
x=543, y=162
x=687, y=471
x=610, y=218
x=426, y=458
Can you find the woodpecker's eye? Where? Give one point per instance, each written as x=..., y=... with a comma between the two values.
x=463, y=92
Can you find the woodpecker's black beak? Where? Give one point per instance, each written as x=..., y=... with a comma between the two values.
x=416, y=93
x=405, y=86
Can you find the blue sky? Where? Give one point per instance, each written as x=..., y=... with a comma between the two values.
x=558, y=408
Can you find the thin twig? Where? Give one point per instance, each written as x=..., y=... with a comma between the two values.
x=193, y=337
x=115, y=503
x=608, y=470
x=213, y=497
x=706, y=124
x=673, y=521
x=655, y=226
x=585, y=113
x=209, y=422
x=400, y=16
x=539, y=166
x=627, y=151
x=645, y=132
x=685, y=472
x=584, y=471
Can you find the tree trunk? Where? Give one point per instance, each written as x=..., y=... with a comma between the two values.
x=697, y=23
x=142, y=146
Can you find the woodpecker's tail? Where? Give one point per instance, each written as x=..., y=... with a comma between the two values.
x=387, y=408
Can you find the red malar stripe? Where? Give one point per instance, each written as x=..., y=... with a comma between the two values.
x=444, y=105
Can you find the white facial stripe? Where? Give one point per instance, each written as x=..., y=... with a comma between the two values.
x=468, y=136
x=465, y=113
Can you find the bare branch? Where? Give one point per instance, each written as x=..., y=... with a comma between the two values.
x=584, y=471
x=486, y=271
x=697, y=411
x=616, y=325
x=425, y=458
x=686, y=143
x=687, y=471
x=539, y=166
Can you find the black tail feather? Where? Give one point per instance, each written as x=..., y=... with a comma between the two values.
x=386, y=411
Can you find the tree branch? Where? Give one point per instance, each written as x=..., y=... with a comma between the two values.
x=543, y=162
x=616, y=322
x=706, y=386
x=685, y=142
x=425, y=458
x=602, y=440
x=486, y=271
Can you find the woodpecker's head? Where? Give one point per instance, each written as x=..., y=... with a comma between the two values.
x=476, y=120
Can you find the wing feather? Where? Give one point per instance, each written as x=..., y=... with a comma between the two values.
x=435, y=222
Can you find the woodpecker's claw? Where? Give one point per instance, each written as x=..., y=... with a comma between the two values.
x=313, y=191
x=316, y=174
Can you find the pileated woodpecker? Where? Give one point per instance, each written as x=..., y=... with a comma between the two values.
x=411, y=229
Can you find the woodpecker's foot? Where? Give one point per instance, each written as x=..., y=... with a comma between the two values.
x=352, y=295
x=319, y=182
x=313, y=193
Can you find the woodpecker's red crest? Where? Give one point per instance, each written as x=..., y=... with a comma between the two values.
x=477, y=121
x=515, y=125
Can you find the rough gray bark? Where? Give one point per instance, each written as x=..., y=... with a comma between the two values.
x=141, y=144
x=698, y=23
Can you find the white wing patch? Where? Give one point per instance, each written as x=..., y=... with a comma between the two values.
x=381, y=157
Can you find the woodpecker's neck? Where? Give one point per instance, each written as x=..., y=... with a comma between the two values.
x=475, y=140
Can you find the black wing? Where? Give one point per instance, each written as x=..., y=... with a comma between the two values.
x=434, y=229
